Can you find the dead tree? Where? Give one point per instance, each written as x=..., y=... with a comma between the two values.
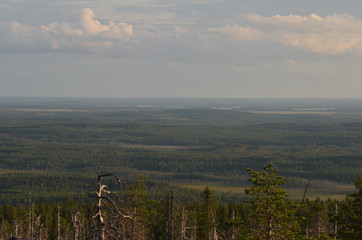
x=171, y=215
x=76, y=225
x=183, y=224
x=233, y=226
x=30, y=222
x=114, y=220
x=98, y=217
x=58, y=225
x=214, y=233
x=41, y=232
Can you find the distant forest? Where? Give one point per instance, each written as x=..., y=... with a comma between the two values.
x=52, y=150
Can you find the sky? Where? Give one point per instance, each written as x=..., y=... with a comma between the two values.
x=181, y=48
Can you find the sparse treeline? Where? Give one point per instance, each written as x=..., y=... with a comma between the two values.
x=267, y=214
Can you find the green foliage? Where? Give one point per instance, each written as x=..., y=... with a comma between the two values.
x=316, y=220
x=51, y=149
x=272, y=216
x=206, y=214
x=268, y=214
x=351, y=214
x=50, y=152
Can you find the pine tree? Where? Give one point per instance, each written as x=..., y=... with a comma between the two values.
x=350, y=215
x=271, y=215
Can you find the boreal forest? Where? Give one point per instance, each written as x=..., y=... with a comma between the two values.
x=200, y=169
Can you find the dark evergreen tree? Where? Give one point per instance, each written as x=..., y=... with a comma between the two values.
x=317, y=223
x=350, y=215
x=207, y=222
x=272, y=215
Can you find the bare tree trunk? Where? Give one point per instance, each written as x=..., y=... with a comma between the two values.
x=194, y=230
x=15, y=229
x=134, y=222
x=214, y=233
x=269, y=216
x=39, y=228
x=183, y=224
x=336, y=223
x=100, y=225
x=30, y=222
x=76, y=225
x=170, y=221
x=233, y=226
x=270, y=232
x=58, y=225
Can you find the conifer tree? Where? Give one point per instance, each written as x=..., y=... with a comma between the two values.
x=271, y=216
x=137, y=204
x=207, y=225
x=350, y=215
x=317, y=225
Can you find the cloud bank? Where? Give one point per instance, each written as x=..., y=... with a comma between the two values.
x=333, y=34
x=87, y=34
x=237, y=33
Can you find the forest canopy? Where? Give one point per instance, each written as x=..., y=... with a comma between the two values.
x=52, y=148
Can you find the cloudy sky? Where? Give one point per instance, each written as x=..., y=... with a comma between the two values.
x=181, y=48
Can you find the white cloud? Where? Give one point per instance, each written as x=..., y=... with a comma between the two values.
x=294, y=21
x=113, y=30
x=237, y=32
x=180, y=30
x=334, y=34
x=89, y=35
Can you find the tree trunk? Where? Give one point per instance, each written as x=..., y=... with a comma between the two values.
x=171, y=213
x=183, y=223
